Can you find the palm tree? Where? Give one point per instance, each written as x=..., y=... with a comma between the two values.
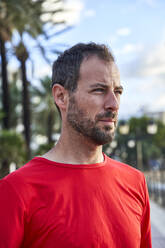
x=46, y=117
x=8, y=13
x=32, y=25
x=13, y=149
x=6, y=28
x=16, y=96
x=25, y=18
x=22, y=56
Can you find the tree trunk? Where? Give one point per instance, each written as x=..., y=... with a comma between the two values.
x=5, y=102
x=50, y=127
x=5, y=87
x=26, y=108
x=4, y=168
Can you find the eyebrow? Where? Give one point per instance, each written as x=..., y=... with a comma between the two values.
x=105, y=86
x=98, y=85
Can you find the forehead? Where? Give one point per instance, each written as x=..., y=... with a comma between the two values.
x=94, y=69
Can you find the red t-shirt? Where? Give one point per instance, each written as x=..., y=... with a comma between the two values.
x=46, y=204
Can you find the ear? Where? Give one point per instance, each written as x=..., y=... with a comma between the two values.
x=60, y=96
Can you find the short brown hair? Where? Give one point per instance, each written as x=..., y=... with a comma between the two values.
x=67, y=66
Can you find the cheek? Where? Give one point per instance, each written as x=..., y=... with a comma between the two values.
x=89, y=105
x=118, y=99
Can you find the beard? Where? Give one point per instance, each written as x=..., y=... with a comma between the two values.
x=80, y=121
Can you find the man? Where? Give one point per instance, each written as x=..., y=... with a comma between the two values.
x=74, y=195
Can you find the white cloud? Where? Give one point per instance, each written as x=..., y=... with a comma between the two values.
x=154, y=62
x=149, y=64
x=90, y=13
x=159, y=103
x=148, y=69
x=123, y=31
x=151, y=3
x=129, y=48
x=46, y=70
x=71, y=13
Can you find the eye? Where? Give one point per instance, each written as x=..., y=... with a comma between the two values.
x=99, y=90
x=118, y=92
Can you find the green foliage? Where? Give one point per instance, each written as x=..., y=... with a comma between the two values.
x=151, y=150
x=45, y=115
x=138, y=125
x=1, y=114
x=43, y=149
x=153, y=145
x=12, y=147
x=24, y=18
x=159, y=138
x=15, y=98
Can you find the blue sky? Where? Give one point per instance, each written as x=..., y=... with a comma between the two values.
x=135, y=31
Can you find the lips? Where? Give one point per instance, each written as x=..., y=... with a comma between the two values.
x=108, y=116
x=108, y=120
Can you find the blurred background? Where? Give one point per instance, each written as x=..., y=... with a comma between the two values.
x=34, y=32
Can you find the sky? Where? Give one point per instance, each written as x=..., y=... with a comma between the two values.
x=135, y=32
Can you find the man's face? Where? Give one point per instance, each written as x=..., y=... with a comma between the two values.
x=93, y=107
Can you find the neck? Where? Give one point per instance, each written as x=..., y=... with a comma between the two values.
x=74, y=148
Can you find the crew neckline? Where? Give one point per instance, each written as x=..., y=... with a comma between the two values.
x=74, y=166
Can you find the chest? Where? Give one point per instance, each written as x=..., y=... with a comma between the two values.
x=85, y=215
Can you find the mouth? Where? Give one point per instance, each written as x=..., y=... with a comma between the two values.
x=108, y=117
x=108, y=120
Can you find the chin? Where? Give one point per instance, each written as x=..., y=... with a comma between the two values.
x=109, y=130
x=104, y=139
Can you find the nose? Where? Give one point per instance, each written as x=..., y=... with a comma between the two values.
x=112, y=102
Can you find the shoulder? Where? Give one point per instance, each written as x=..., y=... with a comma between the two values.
x=20, y=179
x=129, y=179
x=124, y=168
x=21, y=173
x=25, y=181
x=127, y=175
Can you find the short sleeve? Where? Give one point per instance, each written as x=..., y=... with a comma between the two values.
x=11, y=217
x=145, y=221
